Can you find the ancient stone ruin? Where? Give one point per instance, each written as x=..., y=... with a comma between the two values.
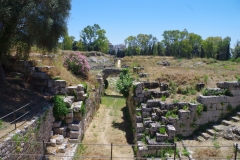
x=157, y=122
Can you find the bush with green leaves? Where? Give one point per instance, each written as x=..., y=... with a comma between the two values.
x=77, y=64
x=124, y=82
x=59, y=109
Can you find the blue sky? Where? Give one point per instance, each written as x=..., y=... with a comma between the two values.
x=123, y=18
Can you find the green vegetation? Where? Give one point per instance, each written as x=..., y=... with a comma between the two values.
x=163, y=98
x=59, y=109
x=172, y=114
x=162, y=130
x=185, y=152
x=199, y=109
x=229, y=107
x=208, y=92
x=124, y=82
x=189, y=90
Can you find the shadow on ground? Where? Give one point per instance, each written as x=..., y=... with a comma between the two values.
x=125, y=125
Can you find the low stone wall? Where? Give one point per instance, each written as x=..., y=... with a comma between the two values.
x=36, y=130
x=157, y=122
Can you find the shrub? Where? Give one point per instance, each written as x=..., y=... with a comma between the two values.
x=199, y=109
x=77, y=64
x=59, y=109
x=124, y=82
x=162, y=130
x=163, y=98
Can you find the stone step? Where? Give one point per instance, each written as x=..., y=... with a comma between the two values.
x=200, y=139
x=227, y=123
x=206, y=136
x=218, y=127
x=211, y=132
x=235, y=119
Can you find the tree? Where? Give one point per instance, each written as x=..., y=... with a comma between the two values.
x=93, y=38
x=236, y=50
x=29, y=22
x=67, y=42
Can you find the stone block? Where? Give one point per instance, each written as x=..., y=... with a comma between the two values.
x=146, y=114
x=171, y=130
x=60, y=83
x=161, y=137
x=62, y=148
x=53, y=142
x=32, y=63
x=76, y=106
x=71, y=90
x=235, y=92
x=140, y=128
x=59, y=139
x=76, y=140
x=57, y=124
x=211, y=99
x=60, y=130
x=40, y=75
x=75, y=126
x=154, y=126
x=69, y=101
x=147, y=123
x=63, y=91
x=50, y=83
x=80, y=87
x=153, y=103
x=155, y=117
x=145, y=109
x=229, y=85
x=69, y=120
x=172, y=120
x=139, y=119
x=138, y=88
x=147, y=94
x=183, y=114
x=74, y=134
x=140, y=136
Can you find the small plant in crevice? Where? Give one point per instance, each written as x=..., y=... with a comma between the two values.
x=162, y=130
x=171, y=113
x=163, y=98
x=199, y=109
x=229, y=107
x=185, y=152
x=185, y=107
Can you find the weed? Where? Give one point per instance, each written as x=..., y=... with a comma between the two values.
x=185, y=152
x=185, y=107
x=205, y=79
x=199, y=109
x=175, y=101
x=216, y=144
x=229, y=107
x=139, y=114
x=94, y=126
x=171, y=114
x=162, y=130
x=163, y=98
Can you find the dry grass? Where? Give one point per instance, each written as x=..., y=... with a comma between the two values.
x=61, y=72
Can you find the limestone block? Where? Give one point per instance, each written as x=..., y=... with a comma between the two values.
x=76, y=106
x=43, y=68
x=213, y=107
x=183, y=114
x=172, y=120
x=50, y=83
x=153, y=103
x=147, y=123
x=216, y=113
x=211, y=99
x=235, y=99
x=235, y=92
x=71, y=90
x=40, y=75
x=141, y=146
x=60, y=130
x=69, y=120
x=152, y=142
x=139, y=119
x=53, y=142
x=154, y=126
x=229, y=85
x=151, y=85
x=171, y=130
x=75, y=126
x=147, y=94
x=161, y=137
x=138, y=88
x=140, y=128
x=63, y=91
x=62, y=148
x=57, y=124
x=68, y=100
x=73, y=140
x=51, y=151
x=80, y=87
x=60, y=83
x=138, y=110
x=164, y=119
x=140, y=136
x=147, y=130
x=59, y=139
x=162, y=105
x=155, y=117
x=74, y=134
x=145, y=109
x=146, y=114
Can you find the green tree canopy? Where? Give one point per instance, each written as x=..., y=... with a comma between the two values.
x=93, y=38
x=28, y=22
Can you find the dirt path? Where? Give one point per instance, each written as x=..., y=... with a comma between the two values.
x=109, y=125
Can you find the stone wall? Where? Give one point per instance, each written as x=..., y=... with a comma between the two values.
x=157, y=122
x=25, y=138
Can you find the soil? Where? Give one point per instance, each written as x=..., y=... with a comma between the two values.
x=109, y=125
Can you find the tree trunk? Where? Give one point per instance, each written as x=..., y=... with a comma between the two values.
x=2, y=74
